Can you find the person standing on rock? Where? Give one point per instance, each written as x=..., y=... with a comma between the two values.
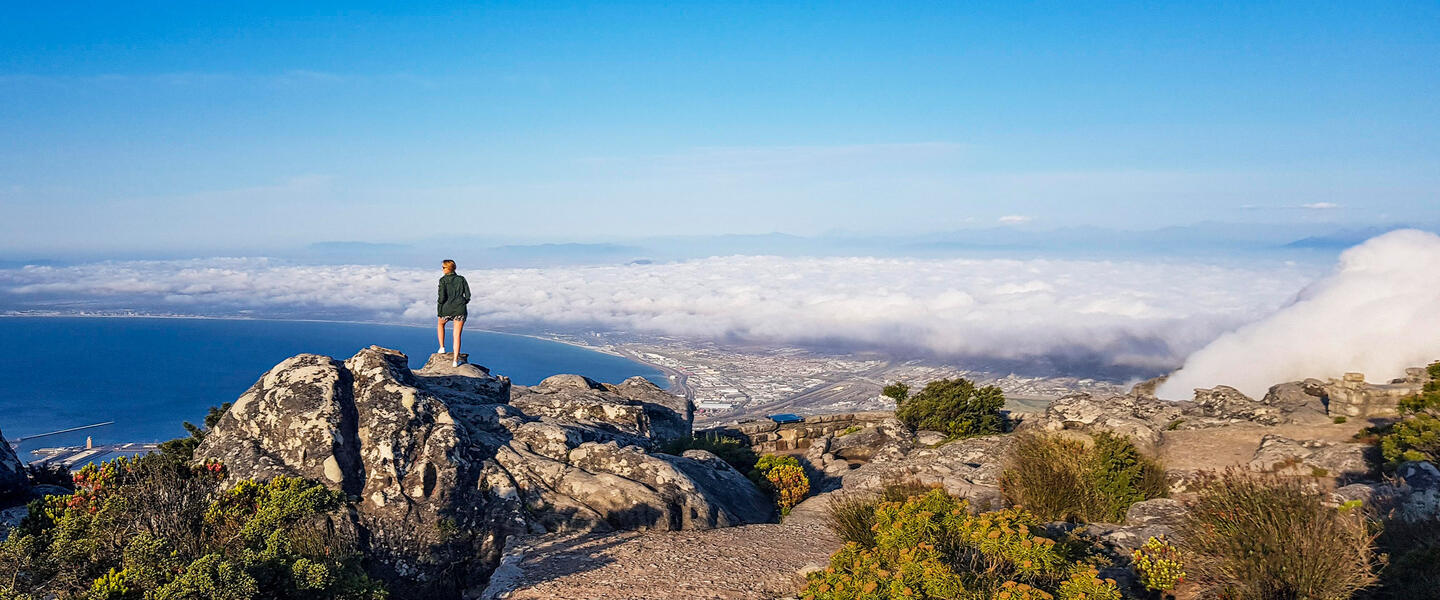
x=454, y=296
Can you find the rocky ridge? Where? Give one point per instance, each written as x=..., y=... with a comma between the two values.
x=446, y=468
x=1144, y=418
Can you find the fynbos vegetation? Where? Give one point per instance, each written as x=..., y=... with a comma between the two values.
x=160, y=528
x=952, y=406
x=932, y=546
x=1065, y=479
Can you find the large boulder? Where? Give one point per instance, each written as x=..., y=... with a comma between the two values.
x=968, y=468
x=636, y=406
x=1294, y=402
x=445, y=468
x=1139, y=417
x=1345, y=461
x=13, y=480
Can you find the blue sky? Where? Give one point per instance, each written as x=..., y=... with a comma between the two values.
x=244, y=128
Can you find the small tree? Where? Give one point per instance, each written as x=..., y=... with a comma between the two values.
x=897, y=391
x=952, y=406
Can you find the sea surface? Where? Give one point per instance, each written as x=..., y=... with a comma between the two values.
x=148, y=374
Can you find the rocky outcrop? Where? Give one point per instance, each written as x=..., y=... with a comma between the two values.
x=1412, y=495
x=1344, y=461
x=1138, y=417
x=968, y=468
x=766, y=436
x=1351, y=396
x=446, y=467
x=13, y=480
x=1144, y=418
x=635, y=407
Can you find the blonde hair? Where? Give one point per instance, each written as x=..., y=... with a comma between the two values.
x=448, y=265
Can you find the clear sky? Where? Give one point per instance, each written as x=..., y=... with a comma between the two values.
x=244, y=127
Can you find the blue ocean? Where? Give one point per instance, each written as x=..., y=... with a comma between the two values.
x=148, y=375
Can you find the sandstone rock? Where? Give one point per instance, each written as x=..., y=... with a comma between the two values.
x=968, y=468
x=635, y=407
x=1351, y=396
x=888, y=437
x=13, y=479
x=1226, y=405
x=1159, y=511
x=1140, y=418
x=1414, y=494
x=1347, y=462
x=929, y=438
x=1420, y=476
x=448, y=464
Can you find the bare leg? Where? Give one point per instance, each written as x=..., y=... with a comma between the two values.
x=440, y=332
x=459, y=326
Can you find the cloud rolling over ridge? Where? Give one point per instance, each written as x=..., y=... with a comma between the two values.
x=1378, y=313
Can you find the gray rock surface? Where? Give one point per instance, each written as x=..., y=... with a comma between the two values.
x=636, y=407
x=448, y=464
x=1347, y=462
x=13, y=480
x=1159, y=511
x=1140, y=418
x=968, y=468
x=1413, y=495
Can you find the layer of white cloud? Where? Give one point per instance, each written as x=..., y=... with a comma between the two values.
x=1141, y=315
x=1378, y=313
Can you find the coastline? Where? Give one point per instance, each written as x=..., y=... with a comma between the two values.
x=544, y=338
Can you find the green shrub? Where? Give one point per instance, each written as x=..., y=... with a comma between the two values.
x=1412, y=551
x=733, y=451
x=1064, y=479
x=931, y=546
x=1158, y=565
x=1340, y=420
x=157, y=528
x=952, y=406
x=782, y=477
x=1416, y=436
x=851, y=515
x=1252, y=537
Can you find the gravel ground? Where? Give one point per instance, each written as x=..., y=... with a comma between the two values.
x=752, y=562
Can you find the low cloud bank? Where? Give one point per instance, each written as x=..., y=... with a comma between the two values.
x=1144, y=316
x=1378, y=313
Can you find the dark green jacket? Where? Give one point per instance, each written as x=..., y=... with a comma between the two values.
x=454, y=295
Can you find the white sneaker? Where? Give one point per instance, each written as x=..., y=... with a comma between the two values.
x=454, y=363
x=441, y=350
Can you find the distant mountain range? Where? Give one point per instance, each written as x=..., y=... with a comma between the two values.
x=1203, y=239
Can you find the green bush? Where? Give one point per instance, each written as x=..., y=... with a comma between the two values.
x=1250, y=537
x=161, y=529
x=731, y=450
x=851, y=515
x=1158, y=565
x=1064, y=479
x=952, y=406
x=931, y=546
x=782, y=477
x=1416, y=436
x=1412, y=552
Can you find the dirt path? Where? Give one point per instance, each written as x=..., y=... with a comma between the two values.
x=751, y=562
